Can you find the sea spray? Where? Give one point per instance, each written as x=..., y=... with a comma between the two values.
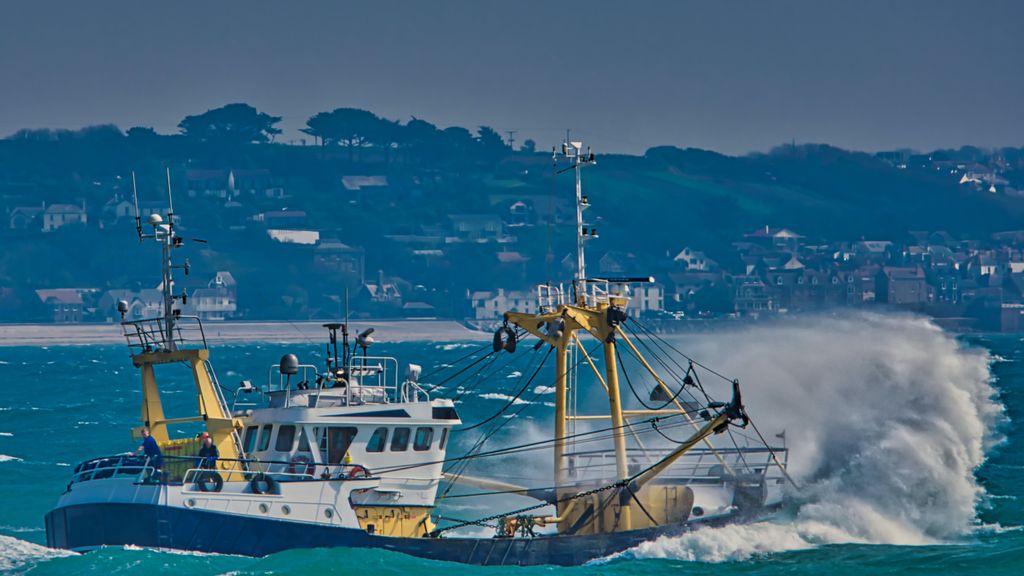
x=887, y=417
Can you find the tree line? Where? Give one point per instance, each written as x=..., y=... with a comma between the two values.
x=354, y=129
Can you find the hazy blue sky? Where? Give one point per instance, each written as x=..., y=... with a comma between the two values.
x=728, y=76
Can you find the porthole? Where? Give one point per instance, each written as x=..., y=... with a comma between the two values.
x=328, y=512
x=190, y=503
x=286, y=510
x=698, y=511
x=264, y=508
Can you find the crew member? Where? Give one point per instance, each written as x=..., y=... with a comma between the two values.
x=150, y=448
x=208, y=453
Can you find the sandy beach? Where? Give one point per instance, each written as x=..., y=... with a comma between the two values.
x=226, y=332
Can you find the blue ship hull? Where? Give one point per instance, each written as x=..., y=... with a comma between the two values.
x=87, y=526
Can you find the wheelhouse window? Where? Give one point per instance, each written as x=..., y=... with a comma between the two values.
x=444, y=439
x=265, y=437
x=339, y=439
x=303, y=441
x=250, y=438
x=285, y=438
x=378, y=441
x=400, y=440
x=424, y=436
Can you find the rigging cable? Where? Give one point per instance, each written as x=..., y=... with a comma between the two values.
x=591, y=436
x=455, y=362
x=490, y=433
x=514, y=398
x=619, y=484
x=764, y=441
x=636, y=395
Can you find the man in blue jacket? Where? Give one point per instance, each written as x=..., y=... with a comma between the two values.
x=151, y=450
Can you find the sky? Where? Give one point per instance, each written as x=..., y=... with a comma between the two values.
x=730, y=76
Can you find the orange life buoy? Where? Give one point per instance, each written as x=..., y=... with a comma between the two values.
x=355, y=470
x=302, y=463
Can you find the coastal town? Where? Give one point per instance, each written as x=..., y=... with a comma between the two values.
x=964, y=283
x=372, y=218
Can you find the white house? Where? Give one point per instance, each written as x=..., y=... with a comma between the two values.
x=493, y=305
x=646, y=299
x=694, y=261
x=58, y=215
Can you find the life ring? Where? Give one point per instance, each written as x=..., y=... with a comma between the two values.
x=301, y=465
x=260, y=483
x=209, y=481
x=504, y=338
x=355, y=470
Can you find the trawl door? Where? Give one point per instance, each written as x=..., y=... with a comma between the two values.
x=338, y=441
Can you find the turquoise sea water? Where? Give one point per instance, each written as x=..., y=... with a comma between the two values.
x=906, y=442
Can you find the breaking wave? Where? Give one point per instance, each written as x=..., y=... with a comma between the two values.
x=887, y=418
x=15, y=553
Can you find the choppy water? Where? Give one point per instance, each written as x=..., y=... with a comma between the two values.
x=905, y=441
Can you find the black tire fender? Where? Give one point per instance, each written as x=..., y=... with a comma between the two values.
x=260, y=483
x=210, y=481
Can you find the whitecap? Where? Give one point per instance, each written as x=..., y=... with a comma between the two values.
x=455, y=346
x=16, y=554
x=505, y=397
x=6, y=458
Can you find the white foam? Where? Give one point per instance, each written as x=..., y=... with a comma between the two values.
x=887, y=418
x=456, y=346
x=6, y=458
x=16, y=554
x=505, y=397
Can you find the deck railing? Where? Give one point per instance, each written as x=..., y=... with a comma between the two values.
x=697, y=465
x=188, y=469
x=150, y=334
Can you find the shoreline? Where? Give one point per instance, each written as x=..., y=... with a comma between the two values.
x=306, y=331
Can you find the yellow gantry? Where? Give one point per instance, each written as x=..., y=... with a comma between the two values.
x=210, y=408
x=596, y=514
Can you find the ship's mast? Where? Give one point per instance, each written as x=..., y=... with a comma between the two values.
x=572, y=151
x=164, y=234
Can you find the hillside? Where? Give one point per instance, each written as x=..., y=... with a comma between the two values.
x=439, y=213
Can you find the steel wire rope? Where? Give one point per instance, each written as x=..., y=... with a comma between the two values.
x=490, y=433
x=660, y=357
x=620, y=484
x=455, y=362
x=764, y=441
x=740, y=456
x=493, y=353
x=469, y=383
x=629, y=382
x=514, y=398
x=677, y=351
x=606, y=434
x=774, y=456
x=478, y=376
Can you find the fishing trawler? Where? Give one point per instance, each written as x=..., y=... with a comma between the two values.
x=353, y=453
